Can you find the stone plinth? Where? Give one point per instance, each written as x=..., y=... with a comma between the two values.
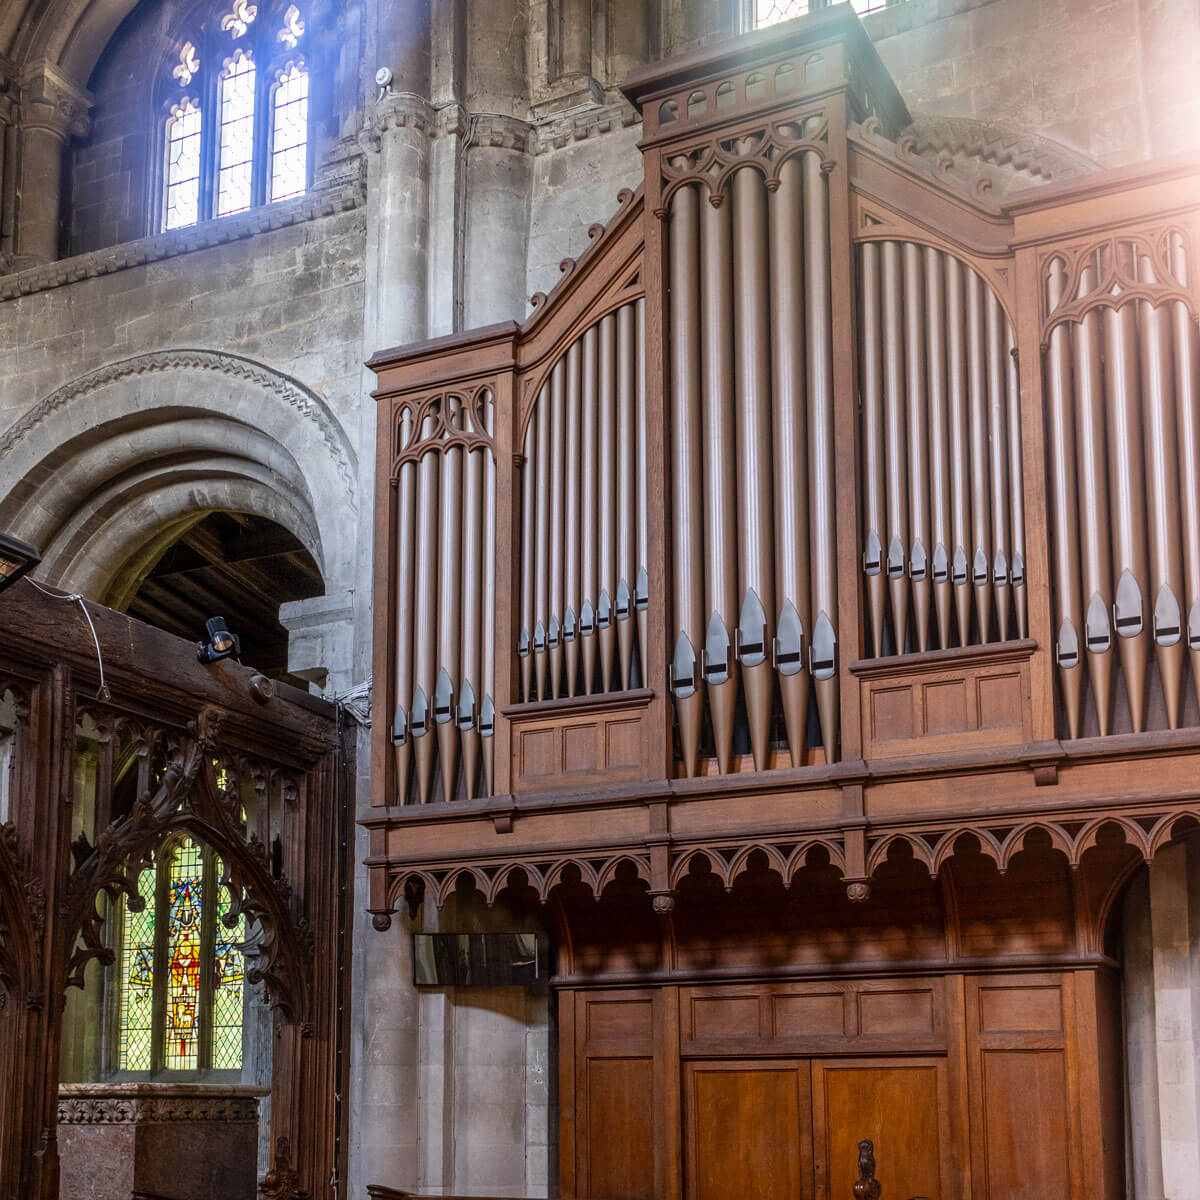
x=178, y=1141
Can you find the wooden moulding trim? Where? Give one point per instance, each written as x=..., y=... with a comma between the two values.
x=1103, y=183
x=432, y=347
x=937, y=660
x=1015, y=964
x=570, y=705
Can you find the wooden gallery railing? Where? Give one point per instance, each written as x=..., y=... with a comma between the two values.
x=807, y=415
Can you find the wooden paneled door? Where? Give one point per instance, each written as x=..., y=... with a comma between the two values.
x=748, y=1130
x=902, y=1105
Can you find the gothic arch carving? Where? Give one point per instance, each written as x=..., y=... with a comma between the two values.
x=188, y=798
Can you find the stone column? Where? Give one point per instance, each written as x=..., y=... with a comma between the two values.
x=8, y=110
x=53, y=110
x=499, y=176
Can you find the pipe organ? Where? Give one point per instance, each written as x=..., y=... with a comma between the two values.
x=942, y=494
x=584, y=530
x=444, y=479
x=816, y=454
x=1123, y=427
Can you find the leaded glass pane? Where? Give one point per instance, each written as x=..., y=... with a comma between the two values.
x=289, y=145
x=135, y=1016
x=229, y=976
x=234, y=182
x=183, y=166
x=185, y=894
x=771, y=12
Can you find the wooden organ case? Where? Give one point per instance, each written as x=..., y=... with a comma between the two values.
x=801, y=609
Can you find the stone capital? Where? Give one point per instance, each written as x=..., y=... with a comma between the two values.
x=53, y=102
x=397, y=111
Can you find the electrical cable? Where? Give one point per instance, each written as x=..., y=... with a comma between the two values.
x=102, y=694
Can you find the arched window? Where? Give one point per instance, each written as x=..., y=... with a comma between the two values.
x=235, y=113
x=771, y=12
x=180, y=968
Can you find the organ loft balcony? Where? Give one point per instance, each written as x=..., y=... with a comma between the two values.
x=828, y=505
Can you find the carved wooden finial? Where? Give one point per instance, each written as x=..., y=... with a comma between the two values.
x=867, y=1187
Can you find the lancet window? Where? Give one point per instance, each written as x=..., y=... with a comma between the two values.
x=180, y=967
x=771, y=12
x=236, y=128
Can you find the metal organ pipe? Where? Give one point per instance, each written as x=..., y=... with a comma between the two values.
x=528, y=554
x=997, y=384
x=959, y=447
x=1063, y=507
x=977, y=400
x=686, y=530
x=718, y=659
x=894, y=442
x=406, y=494
x=1016, y=489
x=918, y=460
x=626, y=530
x=570, y=626
x=939, y=461
x=607, y=467
x=1162, y=495
x=470, y=631
x=487, y=708
x=1186, y=351
x=589, y=515
x=1128, y=504
x=542, y=543
x=642, y=588
x=790, y=441
x=1095, y=530
x=557, y=564
x=449, y=607
x=822, y=513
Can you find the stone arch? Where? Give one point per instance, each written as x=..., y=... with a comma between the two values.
x=110, y=465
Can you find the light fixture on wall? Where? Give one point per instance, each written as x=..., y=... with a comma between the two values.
x=16, y=558
x=221, y=643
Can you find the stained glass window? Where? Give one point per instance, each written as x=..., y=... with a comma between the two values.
x=183, y=165
x=181, y=978
x=289, y=144
x=229, y=977
x=135, y=1017
x=185, y=895
x=234, y=183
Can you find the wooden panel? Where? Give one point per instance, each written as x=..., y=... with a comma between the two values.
x=818, y=1013
x=1025, y=1105
x=619, y=1124
x=946, y=700
x=585, y=742
x=624, y=1021
x=748, y=1131
x=902, y=1011
x=725, y=1016
x=901, y=1106
x=1018, y=1009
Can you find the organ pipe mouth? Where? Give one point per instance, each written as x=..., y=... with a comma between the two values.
x=1066, y=649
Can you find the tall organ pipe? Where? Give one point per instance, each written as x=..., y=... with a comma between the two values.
x=425, y=641
x=406, y=495
x=1128, y=504
x=470, y=635
x=528, y=557
x=997, y=441
x=959, y=450
x=790, y=440
x=1095, y=528
x=554, y=646
x=1187, y=390
x=487, y=709
x=643, y=499
x=685, y=470
x=626, y=530
x=1162, y=495
x=1063, y=488
x=939, y=463
x=980, y=474
x=1016, y=489
x=720, y=478
x=607, y=460
x=541, y=537
x=918, y=459
x=570, y=627
x=589, y=515
x=894, y=418
x=752, y=364
x=449, y=609
x=874, y=518
x=822, y=514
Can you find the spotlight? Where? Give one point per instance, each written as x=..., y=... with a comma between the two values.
x=16, y=558
x=221, y=643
